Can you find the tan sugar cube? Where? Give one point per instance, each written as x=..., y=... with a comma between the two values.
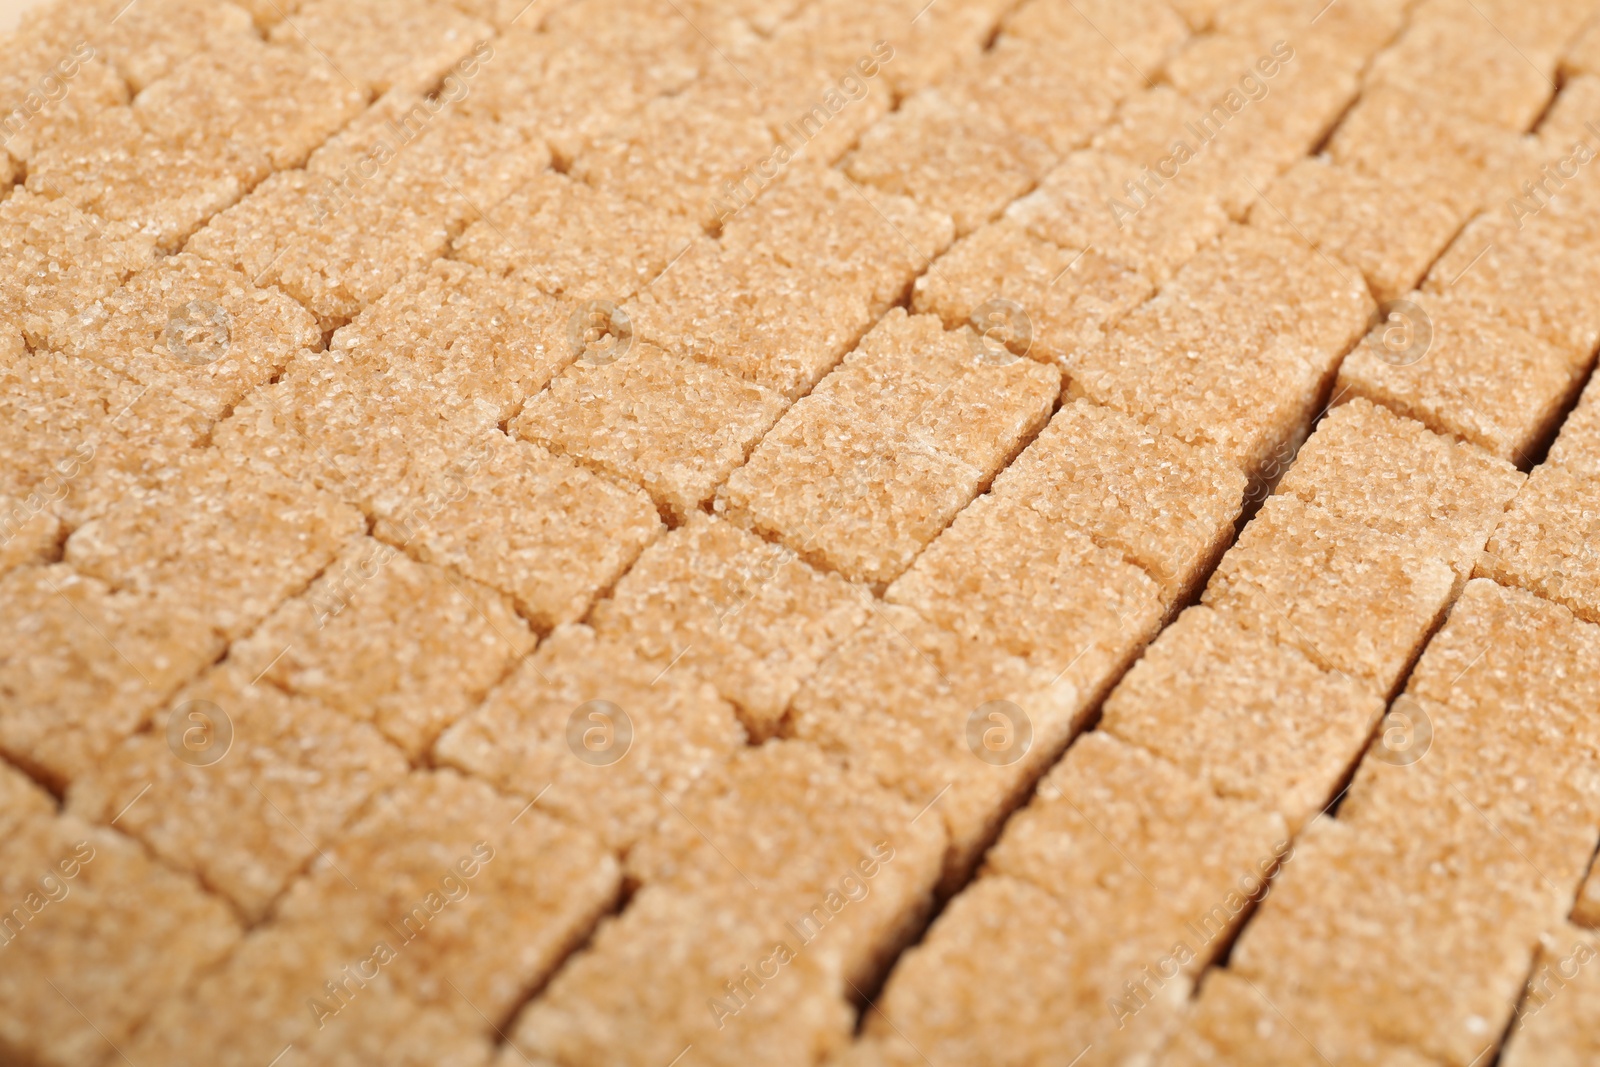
x=292, y=987
x=1549, y=542
x=1555, y=1018
x=1029, y=295
x=946, y=390
x=1414, y=946
x=1577, y=447
x=1165, y=366
x=1535, y=275
x=1392, y=233
x=1139, y=36
x=582, y=728
x=1113, y=824
x=574, y=240
x=1272, y=97
x=816, y=220
x=913, y=707
x=1003, y=574
x=672, y=426
x=409, y=43
x=830, y=487
x=22, y=801
x=336, y=255
x=1586, y=912
x=122, y=173
x=1396, y=136
x=479, y=899
x=227, y=540
x=276, y=103
x=29, y=532
x=676, y=154
x=1524, y=653
x=1368, y=465
x=1562, y=126
x=1233, y=1022
x=679, y=43
x=752, y=315
x=292, y=774
x=1353, y=599
x=534, y=526
x=56, y=259
x=194, y=330
x=1582, y=55
x=1475, y=377
x=780, y=833
x=1008, y=970
x=1454, y=56
x=749, y=616
x=1083, y=203
x=1254, y=719
x=84, y=664
x=409, y=647
x=38, y=65
x=146, y=43
x=686, y=953
x=1168, y=507
x=951, y=156
x=477, y=341
x=98, y=935
x=1363, y=28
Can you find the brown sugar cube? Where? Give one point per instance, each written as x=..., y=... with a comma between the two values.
x=1368, y=465
x=1004, y=574
x=410, y=43
x=835, y=492
x=145, y=43
x=1141, y=36
x=1353, y=599
x=951, y=156
x=686, y=953
x=1533, y=275
x=230, y=540
x=57, y=259
x=97, y=935
x=952, y=997
x=682, y=43
x=1392, y=233
x=333, y=253
x=476, y=340
x=676, y=154
x=1452, y=55
x=84, y=664
x=1459, y=371
x=941, y=388
x=675, y=427
x=1577, y=447
x=1374, y=930
x=1549, y=542
x=748, y=616
x=293, y=992
x=583, y=729
x=1033, y=297
x=1113, y=824
x=194, y=330
x=1086, y=202
x=219, y=95
x=246, y=821
x=573, y=240
x=1360, y=30
x=479, y=899
x=28, y=532
x=118, y=171
x=1254, y=719
x=752, y=315
x=1396, y=136
x=22, y=800
x=39, y=67
x=1234, y=1022
x=1582, y=55
x=534, y=526
x=1183, y=145
x=1168, y=507
x=1562, y=126
x=408, y=647
x=959, y=728
x=1554, y=1019
x=816, y=220
x=1166, y=366
x=779, y=830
